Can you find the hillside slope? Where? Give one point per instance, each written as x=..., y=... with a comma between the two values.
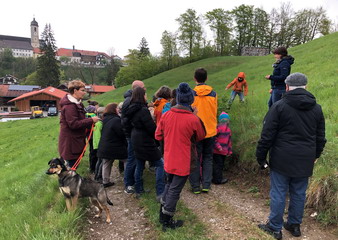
x=317, y=59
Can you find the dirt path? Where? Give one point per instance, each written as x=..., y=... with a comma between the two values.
x=128, y=220
x=229, y=211
x=234, y=214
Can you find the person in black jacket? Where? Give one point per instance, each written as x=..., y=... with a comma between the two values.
x=281, y=69
x=294, y=135
x=129, y=172
x=113, y=143
x=143, y=141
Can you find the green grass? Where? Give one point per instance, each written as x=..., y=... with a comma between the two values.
x=317, y=59
x=31, y=206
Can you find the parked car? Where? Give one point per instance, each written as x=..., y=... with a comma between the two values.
x=52, y=111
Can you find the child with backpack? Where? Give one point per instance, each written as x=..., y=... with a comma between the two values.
x=222, y=148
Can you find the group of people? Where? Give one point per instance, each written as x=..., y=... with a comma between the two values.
x=180, y=135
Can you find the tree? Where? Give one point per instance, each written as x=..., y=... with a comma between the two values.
x=169, y=48
x=6, y=59
x=48, y=67
x=143, y=49
x=260, y=28
x=219, y=22
x=190, y=31
x=243, y=17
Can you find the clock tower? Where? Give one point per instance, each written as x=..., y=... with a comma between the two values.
x=35, y=34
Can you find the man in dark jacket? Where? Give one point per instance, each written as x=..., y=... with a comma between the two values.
x=281, y=69
x=294, y=135
x=129, y=172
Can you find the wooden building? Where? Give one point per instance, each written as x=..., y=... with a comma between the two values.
x=44, y=98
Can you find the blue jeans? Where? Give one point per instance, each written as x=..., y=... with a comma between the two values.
x=276, y=95
x=159, y=176
x=280, y=186
x=129, y=172
x=233, y=95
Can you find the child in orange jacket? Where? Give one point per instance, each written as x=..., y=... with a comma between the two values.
x=239, y=85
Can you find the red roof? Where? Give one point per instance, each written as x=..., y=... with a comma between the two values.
x=49, y=90
x=37, y=50
x=101, y=89
x=69, y=52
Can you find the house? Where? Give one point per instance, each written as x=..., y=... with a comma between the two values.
x=85, y=57
x=94, y=90
x=9, y=92
x=49, y=96
x=9, y=79
x=21, y=46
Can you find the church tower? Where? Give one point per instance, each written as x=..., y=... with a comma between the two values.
x=35, y=34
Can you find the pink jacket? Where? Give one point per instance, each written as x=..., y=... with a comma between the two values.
x=223, y=144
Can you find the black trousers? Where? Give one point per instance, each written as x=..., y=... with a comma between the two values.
x=92, y=156
x=173, y=188
x=217, y=168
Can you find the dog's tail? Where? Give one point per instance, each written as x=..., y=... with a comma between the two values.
x=108, y=201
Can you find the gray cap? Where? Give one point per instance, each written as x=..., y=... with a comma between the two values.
x=296, y=79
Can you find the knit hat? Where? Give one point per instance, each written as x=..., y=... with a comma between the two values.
x=90, y=109
x=223, y=116
x=184, y=94
x=296, y=79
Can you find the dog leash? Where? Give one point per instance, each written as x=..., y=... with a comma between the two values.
x=76, y=164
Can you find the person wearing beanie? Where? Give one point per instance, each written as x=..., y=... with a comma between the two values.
x=240, y=86
x=281, y=69
x=294, y=135
x=222, y=148
x=180, y=129
x=205, y=103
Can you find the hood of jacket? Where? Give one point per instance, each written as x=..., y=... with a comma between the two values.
x=134, y=108
x=288, y=58
x=68, y=99
x=300, y=99
x=128, y=93
x=241, y=75
x=160, y=101
x=202, y=89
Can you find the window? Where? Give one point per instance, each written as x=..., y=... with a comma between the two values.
x=34, y=29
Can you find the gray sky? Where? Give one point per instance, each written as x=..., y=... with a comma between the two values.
x=104, y=24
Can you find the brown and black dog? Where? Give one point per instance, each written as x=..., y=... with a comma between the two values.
x=73, y=186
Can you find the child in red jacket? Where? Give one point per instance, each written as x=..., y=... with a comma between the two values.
x=239, y=86
x=180, y=129
x=222, y=148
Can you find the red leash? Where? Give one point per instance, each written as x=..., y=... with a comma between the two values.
x=76, y=164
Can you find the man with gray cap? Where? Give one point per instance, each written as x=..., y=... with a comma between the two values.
x=294, y=135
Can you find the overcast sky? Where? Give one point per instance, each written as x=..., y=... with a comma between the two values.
x=104, y=24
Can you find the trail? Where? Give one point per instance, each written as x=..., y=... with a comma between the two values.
x=229, y=211
x=232, y=213
x=128, y=220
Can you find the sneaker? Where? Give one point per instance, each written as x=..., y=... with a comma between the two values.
x=205, y=190
x=129, y=190
x=196, y=190
x=294, y=229
x=105, y=185
x=266, y=228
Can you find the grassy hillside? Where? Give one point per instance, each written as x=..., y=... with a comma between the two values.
x=317, y=59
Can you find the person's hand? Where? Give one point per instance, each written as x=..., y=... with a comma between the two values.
x=263, y=163
x=270, y=91
x=95, y=119
x=267, y=76
x=315, y=161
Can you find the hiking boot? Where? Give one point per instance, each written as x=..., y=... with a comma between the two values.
x=129, y=190
x=294, y=229
x=266, y=228
x=169, y=222
x=161, y=218
x=105, y=185
x=205, y=190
